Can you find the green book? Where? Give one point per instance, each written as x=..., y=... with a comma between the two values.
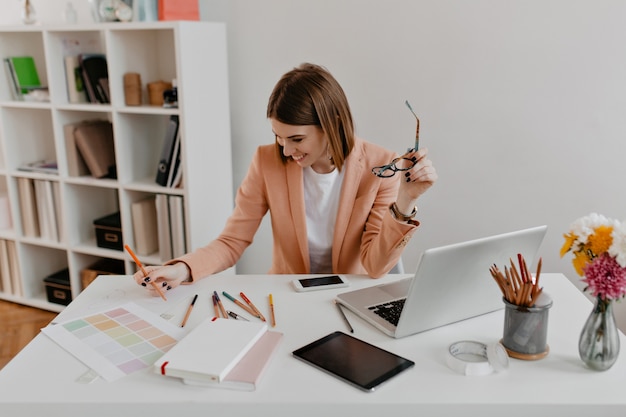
x=25, y=71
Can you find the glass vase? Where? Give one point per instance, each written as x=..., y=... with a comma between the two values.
x=598, y=345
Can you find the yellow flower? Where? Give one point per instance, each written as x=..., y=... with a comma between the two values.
x=570, y=238
x=600, y=241
x=579, y=262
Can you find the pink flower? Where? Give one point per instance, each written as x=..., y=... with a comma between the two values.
x=605, y=278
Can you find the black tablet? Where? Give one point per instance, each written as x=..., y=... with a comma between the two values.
x=359, y=363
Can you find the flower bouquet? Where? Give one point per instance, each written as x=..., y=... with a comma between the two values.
x=599, y=248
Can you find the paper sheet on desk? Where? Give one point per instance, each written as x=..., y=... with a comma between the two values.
x=111, y=296
x=116, y=341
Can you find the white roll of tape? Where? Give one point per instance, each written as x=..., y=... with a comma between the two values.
x=474, y=358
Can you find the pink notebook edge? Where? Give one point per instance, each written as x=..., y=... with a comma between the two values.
x=248, y=371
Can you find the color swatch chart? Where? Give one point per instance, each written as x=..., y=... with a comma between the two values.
x=118, y=341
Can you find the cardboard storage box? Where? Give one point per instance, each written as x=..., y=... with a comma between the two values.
x=58, y=287
x=104, y=266
x=109, y=231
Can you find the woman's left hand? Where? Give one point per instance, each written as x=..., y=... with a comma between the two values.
x=415, y=181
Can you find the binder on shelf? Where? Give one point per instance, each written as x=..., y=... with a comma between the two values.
x=5, y=270
x=58, y=213
x=75, y=85
x=95, y=143
x=145, y=226
x=174, y=176
x=14, y=268
x=167, y=154
x=163, y=227
x=211, y=350
x=247, y=374
x=46, y=210
x=95, y=77
x=177, y=225
x=23, y=75
x=28, y=207
x=13, y=83
x=5, y=212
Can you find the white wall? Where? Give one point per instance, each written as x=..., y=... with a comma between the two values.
x=522, y=102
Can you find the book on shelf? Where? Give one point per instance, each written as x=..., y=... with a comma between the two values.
x=14, y=267
x=177, y=225
x=95, y=77
x=95, y=143
x=28, y=207
x=145, y=226
x=5, y=269
x=46, y=210
x=58, y=212
x=211, y=350
x=76, y=166
x=166, y=161
x=74, y=77
x=22, y=74
x=5, y=212
x=247, y=374
x=178, y=10
x=163, y=227
x=41, y=166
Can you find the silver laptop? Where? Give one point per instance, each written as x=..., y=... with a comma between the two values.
x=452, y=283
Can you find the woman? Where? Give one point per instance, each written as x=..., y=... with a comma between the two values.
x=329, y=213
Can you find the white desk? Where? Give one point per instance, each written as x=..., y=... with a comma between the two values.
x=41, y=379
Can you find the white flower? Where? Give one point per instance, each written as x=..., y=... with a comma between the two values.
x=618, y=247
x=585, y=226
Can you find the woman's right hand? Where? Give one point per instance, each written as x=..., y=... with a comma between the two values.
x=166, y=277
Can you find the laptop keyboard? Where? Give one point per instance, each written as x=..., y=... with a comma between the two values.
x=389, y=311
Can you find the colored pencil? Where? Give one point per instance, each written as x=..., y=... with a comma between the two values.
x=195, y=297
x=256, y=310
x=220, y=305
x=240, y=304
x=143, y=270
x=215, y=307
x=271, y=298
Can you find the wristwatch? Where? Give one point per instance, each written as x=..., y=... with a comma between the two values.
x=401, y=216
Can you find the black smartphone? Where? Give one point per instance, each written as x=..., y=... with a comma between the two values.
x=319, y=283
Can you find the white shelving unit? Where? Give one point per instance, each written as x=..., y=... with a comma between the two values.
x=193, y=53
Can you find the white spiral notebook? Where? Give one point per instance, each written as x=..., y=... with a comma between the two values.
x=211, y=350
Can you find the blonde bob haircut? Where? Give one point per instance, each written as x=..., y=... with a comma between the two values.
x=310, y=95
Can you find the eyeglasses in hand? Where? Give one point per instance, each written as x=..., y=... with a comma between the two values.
x=401, y=163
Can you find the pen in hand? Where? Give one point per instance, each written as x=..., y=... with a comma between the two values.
x=143, y=271
x=195, y=297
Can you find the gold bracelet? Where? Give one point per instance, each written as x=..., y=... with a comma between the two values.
x=401, y=216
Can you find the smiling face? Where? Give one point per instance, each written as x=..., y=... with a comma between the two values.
x=306, y=145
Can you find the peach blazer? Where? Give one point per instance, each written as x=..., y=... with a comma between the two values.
x=367, y=239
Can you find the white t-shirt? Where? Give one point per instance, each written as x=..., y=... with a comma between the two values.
x=321, y=199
